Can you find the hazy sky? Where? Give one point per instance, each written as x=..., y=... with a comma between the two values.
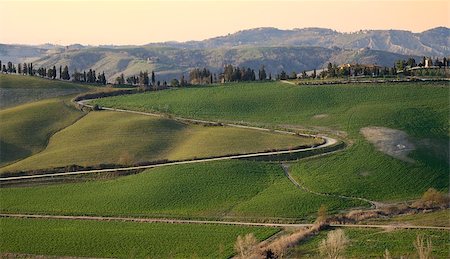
x=141, y=22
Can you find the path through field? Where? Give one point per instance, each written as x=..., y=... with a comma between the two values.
x=183, y=221
x=328, y=141
x=285, y=166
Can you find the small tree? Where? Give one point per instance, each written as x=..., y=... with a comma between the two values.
x=334, y=245
x=322, y=214
x=423, y=250
x=431, y=199
x=244, y=245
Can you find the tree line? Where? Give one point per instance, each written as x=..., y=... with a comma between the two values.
x=52, y=73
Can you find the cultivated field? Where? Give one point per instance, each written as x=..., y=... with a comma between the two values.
x=119, y=138
x=26, y=129
x=420, y=110
x=372, y=243
x=121, y=239
x=397, y=139
x=16, y=90
x=236, y=189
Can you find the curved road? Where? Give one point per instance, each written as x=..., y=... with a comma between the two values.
x=375, y=204
x=328, y=142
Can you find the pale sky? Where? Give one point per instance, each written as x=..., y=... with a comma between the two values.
x=141, y=22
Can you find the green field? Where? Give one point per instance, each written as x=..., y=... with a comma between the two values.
x=439, y=218
x=421, y=110
x=26, y=129
x=213, y=190
x=16, y=90
x=121, y=239
x=114, y=137
x=372, y=243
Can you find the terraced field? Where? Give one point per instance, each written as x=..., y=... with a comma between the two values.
x=418, y=109
x=113, y=137
x=238, y=189
x=121, y=239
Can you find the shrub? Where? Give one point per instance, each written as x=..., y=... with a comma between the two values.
x=423, y=250
x=432, y=199
x=322, y=214
x=334, y=245
x=244, y=246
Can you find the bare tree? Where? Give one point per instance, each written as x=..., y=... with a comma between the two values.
x=334, y=245
x=423, y=250
x=244, y=245
x=387, y=254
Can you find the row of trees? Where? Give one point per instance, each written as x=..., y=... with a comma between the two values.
x=89, y=77
x=143, y=79
x=52, y=73
x=230, y=74
x=235, y=74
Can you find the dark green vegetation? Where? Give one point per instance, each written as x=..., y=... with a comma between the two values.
x=15, y=89
x=372, y=243
x=215, y=190
x=121, y=239
x=418, y=109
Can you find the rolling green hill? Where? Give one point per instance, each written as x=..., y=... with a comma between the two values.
x=120, y=138
x=238, y=189
x=420, y=110
x=16, y=90
x=26, y=129
x=121, y=239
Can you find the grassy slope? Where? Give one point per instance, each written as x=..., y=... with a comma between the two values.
x=113, y=137
x=371, y=243
x=219, y=189
x=121, y=239
x=438, y=218
x=420, y=110
x=25, y=129
x=16, y=90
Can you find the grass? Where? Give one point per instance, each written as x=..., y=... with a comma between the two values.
x=236, y=189
x=362, y=171
x=121, y=239
x=439, y=218
x=419, y=109
x=349, y=107
x=25, y=129
x=16, y=89
x=114, y=137
x=371, y=243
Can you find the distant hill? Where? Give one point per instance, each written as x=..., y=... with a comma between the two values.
x=433, y=42
x=288, y=50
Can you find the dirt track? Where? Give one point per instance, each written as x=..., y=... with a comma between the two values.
x=327, y=142
x=183, y=221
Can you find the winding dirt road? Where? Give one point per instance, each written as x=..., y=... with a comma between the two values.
x=327, y=142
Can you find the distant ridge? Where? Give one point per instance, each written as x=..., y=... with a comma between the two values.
x=289, y=50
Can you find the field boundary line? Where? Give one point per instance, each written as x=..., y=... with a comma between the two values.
x=216, y=222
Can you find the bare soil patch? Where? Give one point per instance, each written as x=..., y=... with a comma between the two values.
x=392, y=142
x=320, y=116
